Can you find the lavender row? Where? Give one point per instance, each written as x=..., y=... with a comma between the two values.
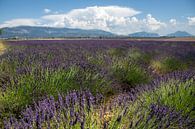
x=127, y=110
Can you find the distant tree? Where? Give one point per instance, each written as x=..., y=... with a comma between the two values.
x=1, y=31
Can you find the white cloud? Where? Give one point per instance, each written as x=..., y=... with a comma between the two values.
x=121, y=20
x=96, y=17
x=191, y=21
x=173, y=22
x=47, y=10
x=100, y=11
x=54, y=20
x=20, y=22
x=152, y=23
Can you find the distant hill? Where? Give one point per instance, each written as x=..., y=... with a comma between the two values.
x=49, y=32
x=144, y=34
x=180, y=34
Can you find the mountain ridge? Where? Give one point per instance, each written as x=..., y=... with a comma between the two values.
x=51, y=32
x=144, y=34
x=179, y=34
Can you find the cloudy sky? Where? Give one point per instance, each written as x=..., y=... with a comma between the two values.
x=117, y=16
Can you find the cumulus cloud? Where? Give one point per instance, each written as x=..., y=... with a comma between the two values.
x=20, y=22
x=121, y=20
x=47, y=10
x=100, y=11
x=96, y=17
x=191, y=21
x=173, y=22
x=152, y=23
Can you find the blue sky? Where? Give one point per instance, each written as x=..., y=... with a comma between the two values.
x=117, y=16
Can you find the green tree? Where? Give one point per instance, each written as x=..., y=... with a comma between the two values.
x=1, y=31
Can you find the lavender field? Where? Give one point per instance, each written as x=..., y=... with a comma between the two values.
x=97, y=84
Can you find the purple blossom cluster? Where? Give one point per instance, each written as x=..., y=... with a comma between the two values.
x=63, y=112
x=167, y=117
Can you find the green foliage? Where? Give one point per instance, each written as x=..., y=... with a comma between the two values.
x=168, y=65
x=32, y=87
x=135, y=54
x=189, y=58
x=94, y=81
x=138, y=56
x=130, y=73
x=98, y=59
x=40, y=83
x=117, y=52
x=1, y=31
